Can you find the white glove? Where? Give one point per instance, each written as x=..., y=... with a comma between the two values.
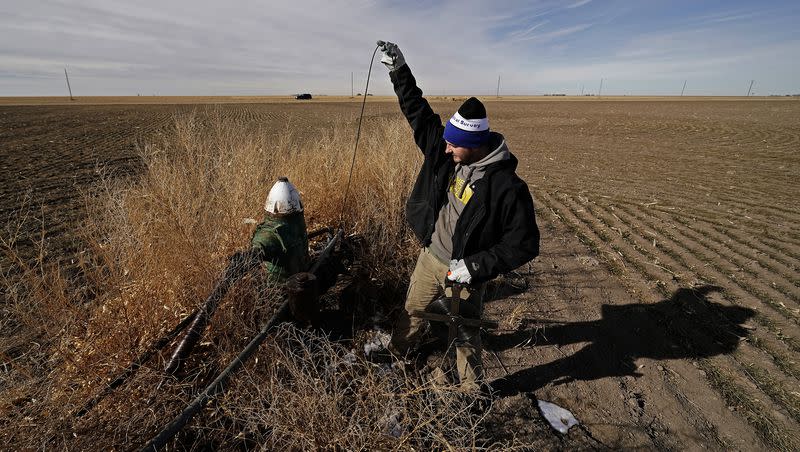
x=392, y=56
x=458, y=272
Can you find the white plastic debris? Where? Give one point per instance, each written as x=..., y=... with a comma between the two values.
x=559, y=418
x=379, y=341
x=349, y=358
x=392, y=420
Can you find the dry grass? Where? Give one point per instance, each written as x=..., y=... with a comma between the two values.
x=153, y=248
x=321, y=395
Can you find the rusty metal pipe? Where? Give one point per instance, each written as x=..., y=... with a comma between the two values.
x=218, y=385
x=239, y=264
x=136, y=364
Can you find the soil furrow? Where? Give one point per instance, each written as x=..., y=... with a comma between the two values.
x=771, y=432
x=654, y=275
x=768, y=267
x=767, y=404
x=765, y=292
x=697, y=260
x=573, y=217
x=780, y=262
x=754, y=228
x=774, y=387
x=692, y=416
x=770, y=291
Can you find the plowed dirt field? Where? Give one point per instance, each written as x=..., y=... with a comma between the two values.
x=664, y=310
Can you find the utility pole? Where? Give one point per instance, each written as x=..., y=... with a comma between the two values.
x=351, y=85
x=68, y=87
x=684, y=87
x=581, y=90
x=751, y=88
x=600, y=91
x=497, y=94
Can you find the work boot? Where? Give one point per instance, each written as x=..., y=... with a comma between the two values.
x=404, y=346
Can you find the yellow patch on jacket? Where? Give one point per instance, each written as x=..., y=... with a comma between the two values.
x=456, y=185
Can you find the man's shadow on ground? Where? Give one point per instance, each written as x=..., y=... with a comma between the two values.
x=687, y=325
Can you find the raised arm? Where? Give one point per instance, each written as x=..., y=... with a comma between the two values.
x=426, y=125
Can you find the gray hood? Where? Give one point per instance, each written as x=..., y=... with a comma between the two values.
x=475, y=171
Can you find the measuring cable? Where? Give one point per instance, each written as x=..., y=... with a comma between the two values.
x=358, y=136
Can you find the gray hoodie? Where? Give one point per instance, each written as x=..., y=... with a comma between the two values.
x=458, y=195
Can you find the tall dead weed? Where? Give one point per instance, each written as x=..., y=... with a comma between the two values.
x=154, y=246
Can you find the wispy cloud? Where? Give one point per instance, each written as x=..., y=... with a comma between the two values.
x=727, y=16
x=551, y=35
x=526, y=32
x=578, y=3
x=454, y=46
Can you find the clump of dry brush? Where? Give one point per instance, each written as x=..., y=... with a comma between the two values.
x=154, y=245
x=321, y=395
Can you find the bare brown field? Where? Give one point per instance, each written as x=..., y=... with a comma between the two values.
x=672, y=196
x=180, y=100
x=194, y=100
x=664, y=310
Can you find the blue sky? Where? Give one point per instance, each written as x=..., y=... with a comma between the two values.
x=183, y=47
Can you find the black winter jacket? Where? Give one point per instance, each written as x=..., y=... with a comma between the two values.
x=497, y=230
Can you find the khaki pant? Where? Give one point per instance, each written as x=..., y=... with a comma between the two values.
x=426, y=285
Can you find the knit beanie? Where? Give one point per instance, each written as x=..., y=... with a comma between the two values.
x=469, y=127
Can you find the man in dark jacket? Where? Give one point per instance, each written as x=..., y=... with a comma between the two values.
x=473, y=215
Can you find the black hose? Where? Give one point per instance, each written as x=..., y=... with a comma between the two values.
x=239, y=264
x=218, y=385
x=137, y=363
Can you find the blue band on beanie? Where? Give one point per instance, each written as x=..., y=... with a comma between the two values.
x=463, y=138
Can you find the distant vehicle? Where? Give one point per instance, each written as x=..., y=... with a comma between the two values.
x=304, y=96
